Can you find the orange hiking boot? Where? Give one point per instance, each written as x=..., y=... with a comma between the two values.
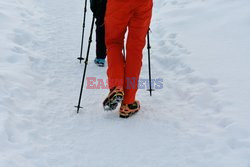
x=128, y=110
x=114, y=98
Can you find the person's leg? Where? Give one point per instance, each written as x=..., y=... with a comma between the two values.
x=116, y=21
x=138, y=27
x=100, y=39
x=100, y=30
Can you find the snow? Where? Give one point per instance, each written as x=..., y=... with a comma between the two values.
x=200, y=49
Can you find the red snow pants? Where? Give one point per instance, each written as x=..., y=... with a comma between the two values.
x=123, y=15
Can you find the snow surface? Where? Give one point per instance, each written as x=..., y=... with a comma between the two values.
x=200, y=117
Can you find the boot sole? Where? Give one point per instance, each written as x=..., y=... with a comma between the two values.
x=127, y=115
x=99, y=64
x=113, y=102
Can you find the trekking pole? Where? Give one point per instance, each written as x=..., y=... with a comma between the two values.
x=149, y=65
x=85, y=67
x=83, y=28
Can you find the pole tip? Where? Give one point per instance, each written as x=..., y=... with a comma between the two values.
x=81, y=59
x=78, y=108
x=150, y=90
